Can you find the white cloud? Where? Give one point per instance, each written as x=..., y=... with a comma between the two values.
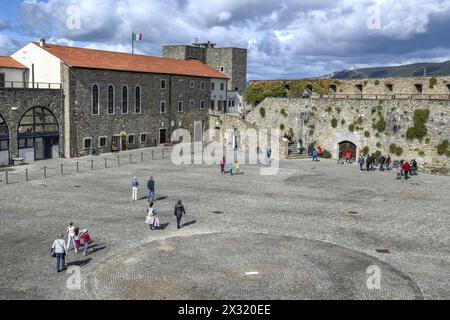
x=285, y=38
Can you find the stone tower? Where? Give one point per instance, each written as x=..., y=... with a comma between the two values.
x=230, y=61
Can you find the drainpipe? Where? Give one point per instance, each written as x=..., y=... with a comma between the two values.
x=170, y=108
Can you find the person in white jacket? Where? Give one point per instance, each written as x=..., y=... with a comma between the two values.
x=60, y=249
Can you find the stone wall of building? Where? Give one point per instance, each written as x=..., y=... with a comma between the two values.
x=15, y=102
x=311, y=120
x=83, y=124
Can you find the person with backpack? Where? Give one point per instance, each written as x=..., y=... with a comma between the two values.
x=150, y=219
x=59, y=250
x=86, y=239
x=151, y=189
x=134, y=187
x=179, y=212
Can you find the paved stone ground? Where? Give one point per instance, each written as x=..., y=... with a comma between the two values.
x=310, y=232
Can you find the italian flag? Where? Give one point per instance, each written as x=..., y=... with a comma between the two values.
x=137, y=36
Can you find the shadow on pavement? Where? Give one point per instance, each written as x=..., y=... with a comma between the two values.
x=188, y=223
x=79, y=263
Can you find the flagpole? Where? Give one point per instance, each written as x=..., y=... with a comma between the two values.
x=132, y=42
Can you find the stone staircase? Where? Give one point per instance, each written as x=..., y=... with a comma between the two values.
x=293, y=154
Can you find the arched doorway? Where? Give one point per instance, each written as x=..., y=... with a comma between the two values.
x=38, y=135
x=347, y=146
x=4, y=142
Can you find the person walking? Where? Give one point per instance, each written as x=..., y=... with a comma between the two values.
x=299, y=147
x=348, y=158
x=86, y=239
x=179, y=211
x=361, y=162
x=372, y=162
x=368, y=160
x=340, y=156
x=222, y=166
x=382, y=161
x=59, y=250
x=150, y=219
x=70, y=235
x=237, y=167
x=315, y=155
x=134, y=188
x=414, y=167
x=269, y=154
x=76, y=239
x=151, y=189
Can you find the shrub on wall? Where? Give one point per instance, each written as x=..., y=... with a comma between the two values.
x=419, y=129
x=351, y=127
x=366, y=134
x=377, y=82
x=338, y=110
x=342, y=122
x=326, y=154
x=284, y=113
x=366, y=150
x=262, y=112
x=378, y=154
x=329, y=109
x=380, y=125
x=334, y=122
x=393, y=148
x=433, y=82
x=282, y=127
x=443, y=148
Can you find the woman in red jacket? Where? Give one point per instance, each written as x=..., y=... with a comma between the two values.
x=406, y=168
x=86, y=239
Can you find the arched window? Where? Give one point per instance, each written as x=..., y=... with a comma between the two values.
x=37, y=121
x=4, y=138
x=110, y=99
x=137, y=103
x=95, y=100
x=124, y=100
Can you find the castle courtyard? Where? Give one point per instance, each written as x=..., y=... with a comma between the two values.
x=313, y=231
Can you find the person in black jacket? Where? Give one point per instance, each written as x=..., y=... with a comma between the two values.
x=179, y=211
x=151, y=190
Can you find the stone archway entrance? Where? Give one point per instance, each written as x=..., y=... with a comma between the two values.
x=4, y=142
x=38, y=135
x=347, y=146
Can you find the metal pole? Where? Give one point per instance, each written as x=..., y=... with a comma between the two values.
x=26, y=174
x=106, y=164
x=78, y=168
x=92, y=164
x=131, y=161
x=45, y=172
x=142, y=157
x=153, y=154
x=118, y=161
x=62, y=169
x=7, y=180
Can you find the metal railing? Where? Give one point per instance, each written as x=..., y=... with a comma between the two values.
x=29, y=85
x=370, y=96
x=82, y=166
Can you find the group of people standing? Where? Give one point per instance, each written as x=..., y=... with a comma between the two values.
x=235, y=168
x=403, y=168
x=75, y=237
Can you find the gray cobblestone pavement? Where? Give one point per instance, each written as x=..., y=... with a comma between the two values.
x=309, y=232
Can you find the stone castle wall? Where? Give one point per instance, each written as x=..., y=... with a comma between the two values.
x=311, y=120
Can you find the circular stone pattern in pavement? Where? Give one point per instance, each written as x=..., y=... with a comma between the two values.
x=251, y=266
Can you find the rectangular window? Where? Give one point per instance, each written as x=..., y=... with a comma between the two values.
x=192, y=103
x=203, y=85
x=192, y=84
x=163, y=83
x=102, y=141
x=222, y=86
x=162, y=107
x=180, y=106
x=213, y=86
x=3, y=145
x=131, y=139
x=202, y=104
x=87, y=143
x=222, y=69
x=212, y=104
x=2, y=80
x=143, y=137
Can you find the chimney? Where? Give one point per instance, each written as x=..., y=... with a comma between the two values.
x=42, y=42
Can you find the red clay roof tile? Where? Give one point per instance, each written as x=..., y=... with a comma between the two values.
x=8, y=62
x=108, y=60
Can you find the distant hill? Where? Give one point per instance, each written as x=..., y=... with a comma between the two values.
x=411, y=70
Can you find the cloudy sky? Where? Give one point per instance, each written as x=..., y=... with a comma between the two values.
x=287, y=39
